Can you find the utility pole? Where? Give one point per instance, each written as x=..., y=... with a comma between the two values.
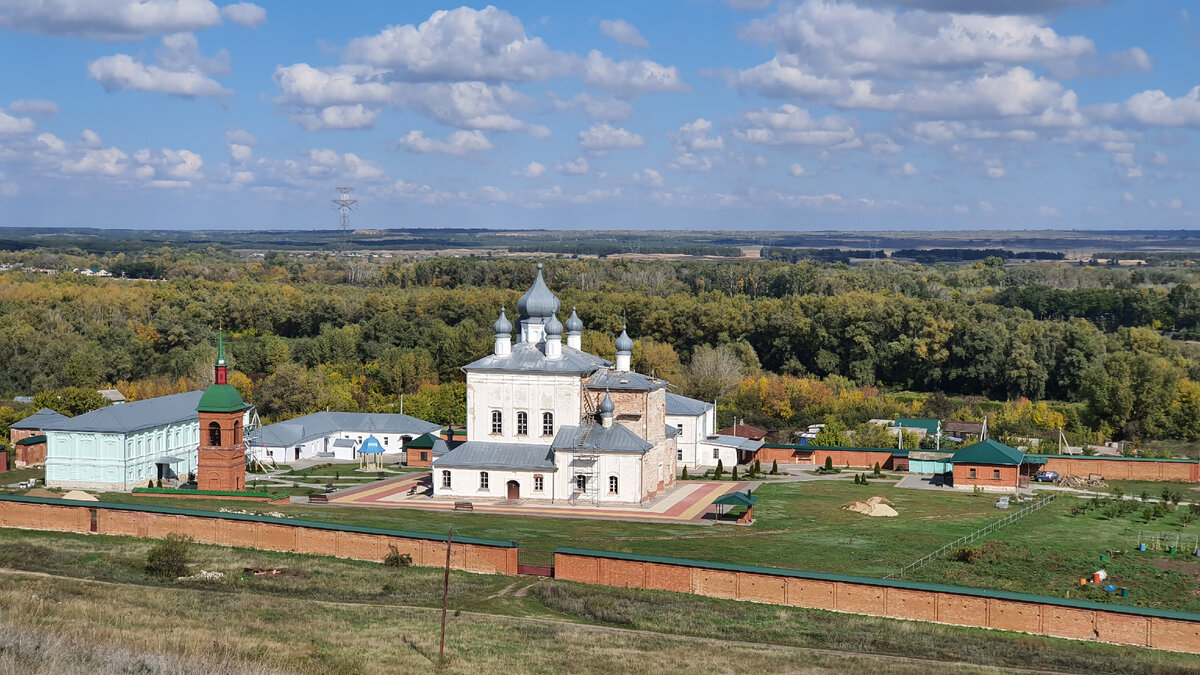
x=445, y=597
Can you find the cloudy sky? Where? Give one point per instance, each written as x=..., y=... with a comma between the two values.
x=735, y=114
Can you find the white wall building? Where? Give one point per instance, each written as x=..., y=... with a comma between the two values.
x=729, y=450
x=334, y=435
x=548, y=421
x=120, y=447
x=695, y=421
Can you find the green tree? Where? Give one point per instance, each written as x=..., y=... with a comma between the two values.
x=832, y=435
x=70, y=401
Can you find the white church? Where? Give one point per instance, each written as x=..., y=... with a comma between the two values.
x=547, y=421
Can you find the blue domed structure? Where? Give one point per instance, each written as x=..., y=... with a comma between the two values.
x=607, y=406
x=574, y=325
x=538, y=302
x=502, y=326
x=624, y=343
x=554, y=327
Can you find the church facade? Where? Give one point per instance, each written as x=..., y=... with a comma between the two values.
x=547, y=421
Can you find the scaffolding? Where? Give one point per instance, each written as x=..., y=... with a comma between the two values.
x=585, y=461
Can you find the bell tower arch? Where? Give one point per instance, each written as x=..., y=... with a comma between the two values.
x=221, y=461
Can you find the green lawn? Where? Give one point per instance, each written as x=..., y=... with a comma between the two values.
x=327, y=615
x=1153, y=489
x=803, y=526
x=18, y=475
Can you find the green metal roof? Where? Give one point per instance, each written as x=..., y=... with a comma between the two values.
x=32, y=440
x=988, y=452
x=736, y=499
x=313, y=524
x=1041, y=459
x=889, y=583
x=422, y=441
x=221, y=398
x=927, y=423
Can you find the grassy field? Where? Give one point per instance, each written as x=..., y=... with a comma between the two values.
x=804, y=526
x=99, y=612
x=18, y=475
x=1153, y=489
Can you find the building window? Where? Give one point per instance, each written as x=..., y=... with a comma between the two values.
x=614, y=484
x=539, y=483
x=716, y=453
x=446, y=479
x=678, y=455
x=483, y=480
x=972, y=475
x=995, y=474
x=386, y=439
x=522, y=423
x=548, y=424
x=679, y=427
x=214, y=434
x=581, y=483
x=497, y=422
x=237, y=432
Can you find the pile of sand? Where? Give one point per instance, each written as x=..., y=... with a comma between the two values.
x=42, y=492
x=875, y=506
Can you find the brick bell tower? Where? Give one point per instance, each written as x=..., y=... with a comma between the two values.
x=221, y=464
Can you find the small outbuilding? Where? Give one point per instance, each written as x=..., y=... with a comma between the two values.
x=989, y=465
x=735, y=499
x=423, y=449
x=743, y=430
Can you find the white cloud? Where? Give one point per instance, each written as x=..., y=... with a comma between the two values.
x=961, y=209
x=458, y=143
x=239, y=152
x=987, y=207
x=597, y=107
x=1175, y=204
x=630, y=78
x=1047, y=211
x=843, y=39
x=15, y=125
x=103, y=161
x=339, y=85
x=649, y=176
x=33, y=106
x=624, y=32
x=245, y=13
x=693, y=137
x=574, y=167
x=355, y=116
x=1132, y=60
x=791, y=125
x=995, y=172
x=532, y=170
x=179, y=70
x=51, y=143
x=461, y=44
x=688, y=161
x=797, y=170
x=90, y=139
x=108, y=19
x=909, y=170
x=180, y=165
x=600, y=138
x=1155, y=108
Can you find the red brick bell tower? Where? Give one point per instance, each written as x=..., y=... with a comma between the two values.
x=221, y=464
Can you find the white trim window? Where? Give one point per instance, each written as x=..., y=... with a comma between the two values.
x=483, y=480
x=614, y=485
x=539, y=483
x=522, y=423
x=581, y=483
x=497, y=422
x=547, y=424
x=446, y=478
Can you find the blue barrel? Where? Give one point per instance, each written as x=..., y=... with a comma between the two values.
x=1141, y=547
x=1110, y=588
x=1124, y=592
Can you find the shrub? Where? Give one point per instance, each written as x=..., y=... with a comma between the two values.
x=1148, y=514
x=774, y=467
x=170, y=557
x=862, y=479
x=877, y=473
x=757, y=466
x=856, y=479
x=159, y=483
x=395, y=558
x=965, y=554
x=720, y=470
x=1187, y=517
x=829, y=463
x=734, y=476
x=1118, y=492
x=685, y=475
x=150, y=483
x=1166, y=494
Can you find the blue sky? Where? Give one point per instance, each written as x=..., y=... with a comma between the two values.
x=696, y=114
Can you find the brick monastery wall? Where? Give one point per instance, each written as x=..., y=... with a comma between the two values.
x=1080, y=620
x=272, y=534
x=1125, y=469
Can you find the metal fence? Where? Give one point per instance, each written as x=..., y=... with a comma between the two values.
x=974, y=536
x=1162, y=541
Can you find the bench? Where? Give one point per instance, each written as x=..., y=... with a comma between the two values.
x=318, y=499
x=464, y=506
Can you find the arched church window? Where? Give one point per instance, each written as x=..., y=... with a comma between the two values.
x=214, y=434
x=237, y=432
x=522, y=423
x=548, y=424
x=614, y=485
x=497, y=422
x=581, y=483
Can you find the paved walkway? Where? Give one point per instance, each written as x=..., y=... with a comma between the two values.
x=687, y=502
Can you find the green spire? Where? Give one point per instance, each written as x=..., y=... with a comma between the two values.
x=221, y=348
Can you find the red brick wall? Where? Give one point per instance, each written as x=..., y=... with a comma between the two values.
x=875, y=600
x=859, y=458
x=984, y=476
x=413, y=457
x=30, y=455
x=1125, y=469
x=478, y=558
